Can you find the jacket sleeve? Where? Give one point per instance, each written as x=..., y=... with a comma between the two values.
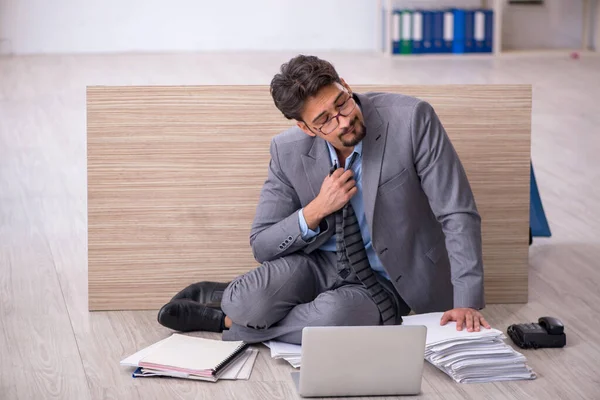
x=445, y=183
x=276, y=230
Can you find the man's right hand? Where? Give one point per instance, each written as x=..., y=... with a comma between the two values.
x=337, y=190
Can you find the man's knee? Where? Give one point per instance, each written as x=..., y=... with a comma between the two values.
x=263, y=296
x=346, y=307
x=237, y=300
x=243, y=304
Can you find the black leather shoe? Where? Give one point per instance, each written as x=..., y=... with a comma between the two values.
x=208, y=293
x=187, y=315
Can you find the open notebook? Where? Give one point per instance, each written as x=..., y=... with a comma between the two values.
x=191, y=357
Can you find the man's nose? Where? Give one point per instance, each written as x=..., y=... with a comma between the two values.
x=344, y=122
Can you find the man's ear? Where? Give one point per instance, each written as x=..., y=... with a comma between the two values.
x=305, y=128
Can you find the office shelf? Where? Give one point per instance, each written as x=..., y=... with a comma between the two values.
x=590, y=28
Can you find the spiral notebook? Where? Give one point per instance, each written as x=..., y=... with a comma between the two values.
x=193, y=355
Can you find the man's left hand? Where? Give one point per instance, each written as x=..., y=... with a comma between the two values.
x=465, y=316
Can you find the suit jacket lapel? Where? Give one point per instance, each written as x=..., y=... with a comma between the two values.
x=316, y=164
x=373, y=146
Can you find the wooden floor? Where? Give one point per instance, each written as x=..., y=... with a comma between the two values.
x=51, y=347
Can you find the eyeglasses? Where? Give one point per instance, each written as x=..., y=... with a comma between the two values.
x=344, y=110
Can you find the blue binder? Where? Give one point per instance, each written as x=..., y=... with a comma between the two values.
x=537, y=218
x=427, y=31
x=479, y=31
x=469, y=31
x=438, y=31
x=458, y=46
x=396, y=31
x=447, y=31
x=417, y=31
x=488, y=45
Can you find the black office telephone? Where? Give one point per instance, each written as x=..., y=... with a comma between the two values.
x=548, y=332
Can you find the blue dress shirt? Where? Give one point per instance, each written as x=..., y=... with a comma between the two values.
x=359, y=209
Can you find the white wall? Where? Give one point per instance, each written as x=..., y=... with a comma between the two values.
x=90, y=26
x=555, y=24
x=101, y=26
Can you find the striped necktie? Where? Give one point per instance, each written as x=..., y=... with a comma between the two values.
x=351, y=253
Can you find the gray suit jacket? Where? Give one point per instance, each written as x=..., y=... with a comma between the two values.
x=421, y=212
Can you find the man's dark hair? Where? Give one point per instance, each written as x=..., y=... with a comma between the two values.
x=300, y=78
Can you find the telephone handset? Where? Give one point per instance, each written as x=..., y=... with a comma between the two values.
x=548, y=332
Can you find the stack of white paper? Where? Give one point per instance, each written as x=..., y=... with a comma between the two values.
x=289, y=352
x=470, y=357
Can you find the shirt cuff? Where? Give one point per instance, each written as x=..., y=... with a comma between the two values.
x=306, y=232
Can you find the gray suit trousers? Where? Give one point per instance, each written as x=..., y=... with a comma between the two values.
x=281, y=297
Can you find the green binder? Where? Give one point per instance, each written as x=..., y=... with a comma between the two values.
x=406, y=36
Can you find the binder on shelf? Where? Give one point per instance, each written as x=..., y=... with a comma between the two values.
x=458, y=45
x=479, y=31
x=448, y=31
x=438, y=31
x=427, y=31
x=417, y=32
x=469, y=31
x=489, y=31
x=455, y=30
x=396, y=31
x=406, y=36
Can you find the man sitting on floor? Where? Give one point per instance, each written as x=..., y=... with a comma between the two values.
x=366, y=214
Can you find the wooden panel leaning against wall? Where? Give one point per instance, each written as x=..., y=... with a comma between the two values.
x=174, y=175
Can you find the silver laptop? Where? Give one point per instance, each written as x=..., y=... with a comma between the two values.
x=361, y=361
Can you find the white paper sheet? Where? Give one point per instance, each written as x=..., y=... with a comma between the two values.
x=289, y=352
x=437, y=334
x=241, y=368
x=281, y=349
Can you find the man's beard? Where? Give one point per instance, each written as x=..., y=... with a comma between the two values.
x=356, y=136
